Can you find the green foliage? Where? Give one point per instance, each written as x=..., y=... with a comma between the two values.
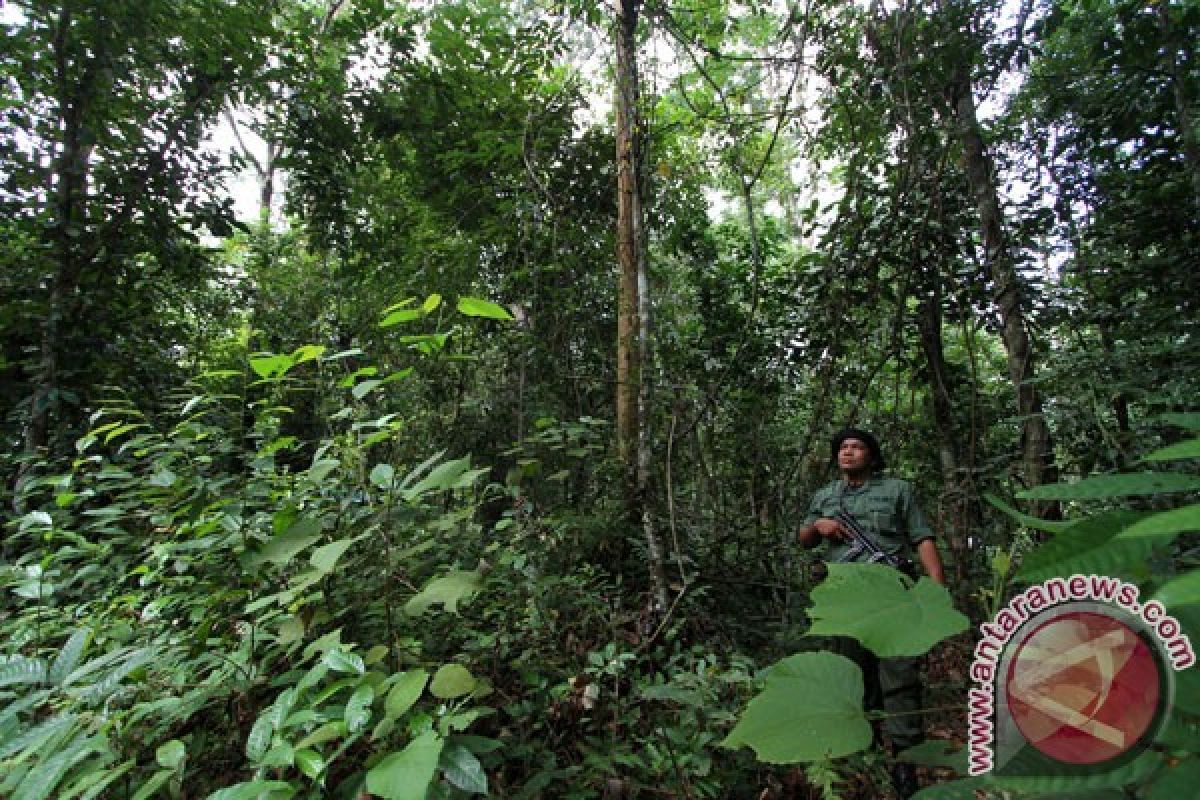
x=810, y=709
x=874, y=604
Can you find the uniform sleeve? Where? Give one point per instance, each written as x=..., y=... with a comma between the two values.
x=915, y=524
x=814, y=507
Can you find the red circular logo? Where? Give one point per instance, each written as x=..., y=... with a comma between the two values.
x=1083, y=688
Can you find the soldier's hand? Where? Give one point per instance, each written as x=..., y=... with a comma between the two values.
x=830, y=528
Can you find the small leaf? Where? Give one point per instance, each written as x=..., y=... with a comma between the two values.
x=810, y=709
x=69, y=657
x=1038, y=524
x=448, y=591
x=325, y=557
x=340, y=661
x=406, y=775
x=405, y=692
x=310, y=763
x=451, y=681
x=358, y=708
x=475, y=307
x=383, y=476
x=171, y=754
x=463, y=770
x=364, y=388
x=440, y=478
x=271, y=366
x=259, y=740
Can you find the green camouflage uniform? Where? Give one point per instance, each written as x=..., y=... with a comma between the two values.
x=886, y=509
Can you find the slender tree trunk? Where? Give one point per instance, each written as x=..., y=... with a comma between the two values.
x=1037, y=453
x=633, y=307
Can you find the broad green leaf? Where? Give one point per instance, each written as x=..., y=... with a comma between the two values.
x=452, y=680
x=1129, y=484
x=1166, y=523
x=328, y=732
x=810, y=709
x=364, y=388
x=281, y=755
x=358, y=708
x=475, y=307
x=1180, y=591
x=69, y=657
x=431, y=303
x=19, y=669
x=339, y=660
x=259, y=740
x=871, y=603
x=308, y=352
x=321, y=468
x=283, y=547
x=255, y=790
x=448, y=591
x=1089, y=546
x=401, y=315
x=171, y=754
x=325, y=557
x=406, y=775
x=463, y=770
x=271, y=366
x=322, y=645
x=442, y=477
x=405, y=692
x=1176, y=452
x=310, y=763
x=1029, y=521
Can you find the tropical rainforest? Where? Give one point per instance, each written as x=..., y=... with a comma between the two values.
x=420, y=399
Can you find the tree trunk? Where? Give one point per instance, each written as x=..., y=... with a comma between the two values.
x=633, y=301
x=64, y=232
x=1037, y=453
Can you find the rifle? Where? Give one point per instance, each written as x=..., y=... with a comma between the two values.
x=861, y=543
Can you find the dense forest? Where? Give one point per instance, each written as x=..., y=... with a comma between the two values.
x=420, y=400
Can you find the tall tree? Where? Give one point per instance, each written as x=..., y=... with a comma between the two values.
x=109, y=173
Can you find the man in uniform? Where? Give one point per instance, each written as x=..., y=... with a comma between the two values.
x=886, y=510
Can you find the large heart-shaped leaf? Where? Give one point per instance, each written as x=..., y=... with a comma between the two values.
x=810, y=709
x=871, y=603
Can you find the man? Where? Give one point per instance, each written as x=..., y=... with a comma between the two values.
x=886, y=510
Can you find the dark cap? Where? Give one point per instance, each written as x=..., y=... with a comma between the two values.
x=866, y=437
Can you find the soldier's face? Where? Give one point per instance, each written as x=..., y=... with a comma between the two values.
x=854, y=456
